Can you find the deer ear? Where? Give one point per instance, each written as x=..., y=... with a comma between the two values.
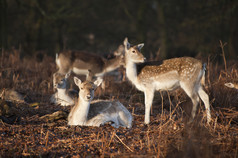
x=77, y=81
x=98, y=82
x=126, y=43
x=120, y=50
x=89, y=76
x=67, y=75
x=140, y=46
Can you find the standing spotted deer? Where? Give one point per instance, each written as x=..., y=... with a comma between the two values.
x=95, y=113
x=185, y=72
x=80, y=62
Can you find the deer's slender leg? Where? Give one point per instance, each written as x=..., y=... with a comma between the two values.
x=149, y=96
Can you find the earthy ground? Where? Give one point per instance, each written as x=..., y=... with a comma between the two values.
x=27, y=131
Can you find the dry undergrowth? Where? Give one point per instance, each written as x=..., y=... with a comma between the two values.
x=24, y=133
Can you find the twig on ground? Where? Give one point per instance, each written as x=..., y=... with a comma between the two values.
x=123, y=143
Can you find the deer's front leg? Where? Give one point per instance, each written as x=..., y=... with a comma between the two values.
x=149, y=95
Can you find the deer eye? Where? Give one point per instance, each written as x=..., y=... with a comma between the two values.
x=133, y=51
x=81, y=88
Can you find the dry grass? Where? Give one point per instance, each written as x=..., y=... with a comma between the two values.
x=168, y=134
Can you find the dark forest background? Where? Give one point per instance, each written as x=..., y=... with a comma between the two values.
x=171, y=27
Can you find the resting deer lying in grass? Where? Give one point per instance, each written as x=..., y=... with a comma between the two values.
x=95, y=113
x=186, y=72
x=80, y=62
x=63, y=96
x=232, y=85
x=11, y=95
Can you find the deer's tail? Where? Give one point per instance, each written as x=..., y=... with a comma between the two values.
x=203, y=74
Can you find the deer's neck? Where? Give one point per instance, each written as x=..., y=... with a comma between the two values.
x=111, y=64
x=131, y=72
x=80, y=112
x=64, y=98
x=62, y=93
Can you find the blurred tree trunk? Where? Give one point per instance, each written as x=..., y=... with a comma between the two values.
x=3, y=10
x=162, y=31
x=137, y=18
x=39, y=35
x=232, y=42
x=141, y=25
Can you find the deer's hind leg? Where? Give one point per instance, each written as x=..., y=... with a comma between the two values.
x=125, y=119
x=204, y=97
x=191, y=91
x=98, y=120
